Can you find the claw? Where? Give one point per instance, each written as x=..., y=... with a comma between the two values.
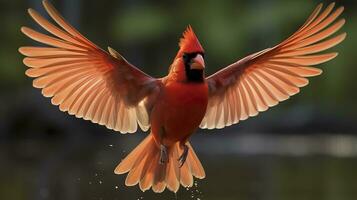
x=163, y=155
x=183, y=157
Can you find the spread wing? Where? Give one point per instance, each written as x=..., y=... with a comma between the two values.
x=262, y=80
x=86, y=81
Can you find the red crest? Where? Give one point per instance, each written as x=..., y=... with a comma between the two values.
x=189, y=42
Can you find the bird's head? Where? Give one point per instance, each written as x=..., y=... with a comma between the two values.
x=189, y=63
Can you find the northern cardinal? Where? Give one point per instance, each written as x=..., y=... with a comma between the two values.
x=105, y=88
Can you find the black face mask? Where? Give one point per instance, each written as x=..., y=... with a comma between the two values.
x=193, y=75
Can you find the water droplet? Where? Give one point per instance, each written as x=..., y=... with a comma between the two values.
x=100, y=182
x=116, y=187
x=111, y=145
x=90, y=183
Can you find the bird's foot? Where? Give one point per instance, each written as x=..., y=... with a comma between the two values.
x=163, y=155
x=183, y=157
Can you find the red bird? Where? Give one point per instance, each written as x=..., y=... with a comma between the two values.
x=105, y=88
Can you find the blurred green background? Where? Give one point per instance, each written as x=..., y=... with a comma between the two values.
x=305, y=148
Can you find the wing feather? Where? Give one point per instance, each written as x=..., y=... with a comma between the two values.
x=262, y=80
x=84, y=80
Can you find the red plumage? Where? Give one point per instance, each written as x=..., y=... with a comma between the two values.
x=189, y=42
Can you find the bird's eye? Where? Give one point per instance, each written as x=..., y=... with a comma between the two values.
x=184, y=56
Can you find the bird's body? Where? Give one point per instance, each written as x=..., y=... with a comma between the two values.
x=182, y=100
x=104, y=87
x=179, y=102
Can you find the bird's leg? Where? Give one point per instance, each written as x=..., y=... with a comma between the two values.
x=183, y=157
x=163, y=155
x=163, y=149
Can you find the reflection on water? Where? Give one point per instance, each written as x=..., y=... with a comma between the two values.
x=248, y=166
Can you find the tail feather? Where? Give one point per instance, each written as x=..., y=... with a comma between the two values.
x=173, y=173
x=127, y=164
x=148, y=163
x=196, y=166
x=148, y=177
x=135, y=173
x=144, y=168
x=186, y=178
x=159, y=183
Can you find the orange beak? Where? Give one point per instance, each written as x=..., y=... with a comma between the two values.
x=198, y=62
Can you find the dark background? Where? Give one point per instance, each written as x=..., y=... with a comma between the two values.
x=304, y=148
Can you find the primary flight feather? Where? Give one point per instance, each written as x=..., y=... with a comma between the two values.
x=104, y=87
